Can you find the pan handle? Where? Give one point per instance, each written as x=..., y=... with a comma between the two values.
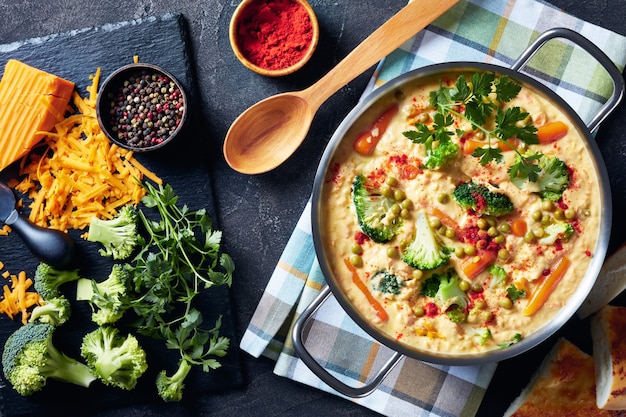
x=318, y=370
x=594, y=51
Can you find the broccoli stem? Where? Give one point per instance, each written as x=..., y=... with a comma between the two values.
x=63, y=368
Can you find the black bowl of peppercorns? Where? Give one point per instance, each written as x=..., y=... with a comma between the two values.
x=141, y=107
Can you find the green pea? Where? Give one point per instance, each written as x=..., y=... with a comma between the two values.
x=356, y=249
x=570, y=213
x=459, y=252
x=392, y=252
x=391, y=181
x=418, y=311
x=435, y=223
x=504, y=227
x=417, y=274
x=386, y=190
x=476, y=287
x=506, y=303
x=539, y=232
x=396, y=209
x=464, y=285
x=407, y=204
x=559, y=214
x=482, y=224
x=537, y=215
x=547, y=205
x=546, y=220
x=450, y=233
x=356, y=260
x=529, y=237
x=499, y=239
x=405, y=213
x=470, y=250
x=399, y=195
x=503, y=254
x=481, y=244
x=443, y=198
x=442, y=230
x=492, y=232
x=486, y=315
x=479, y=304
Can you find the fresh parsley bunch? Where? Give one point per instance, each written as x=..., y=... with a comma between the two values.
x=180, y=257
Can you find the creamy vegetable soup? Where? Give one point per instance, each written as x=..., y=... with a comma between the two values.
x=460, y=213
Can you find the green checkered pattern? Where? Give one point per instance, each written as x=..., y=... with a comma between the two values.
x=493, y=31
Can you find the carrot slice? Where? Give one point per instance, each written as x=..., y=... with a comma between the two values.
x=519, y=227
x=444, y=218
x=470, y=145
x=551, y=132
x=474, y=265
x=547, y=286
x=366, y=142
x=380, y=311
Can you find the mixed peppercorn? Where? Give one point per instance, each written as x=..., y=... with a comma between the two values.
x=146, y=109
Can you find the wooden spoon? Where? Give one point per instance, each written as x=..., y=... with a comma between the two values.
x=269, y=132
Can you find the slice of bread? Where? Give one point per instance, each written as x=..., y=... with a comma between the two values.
x=564, y=385
x=608, y=332
x=610, y=283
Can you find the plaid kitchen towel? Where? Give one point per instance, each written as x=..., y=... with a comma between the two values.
x=494, y=31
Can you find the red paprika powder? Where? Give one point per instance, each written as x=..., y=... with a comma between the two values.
x=274, y=34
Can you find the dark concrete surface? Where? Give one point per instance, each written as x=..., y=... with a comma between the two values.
x=258, y=213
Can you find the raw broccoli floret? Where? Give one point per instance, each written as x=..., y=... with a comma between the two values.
x=30, y=358
x=554, y=231
x=552, y=178
x=170, y=388
x=449, y=292
x=116, y=360
x=374, y=212
x=48, y=279
x=425, y=252
x=54, y=311
x=106, y=296
x=118, y=235
x=480, y=199
x=387, y=282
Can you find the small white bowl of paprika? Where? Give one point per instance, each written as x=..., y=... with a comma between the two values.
x=274, y=37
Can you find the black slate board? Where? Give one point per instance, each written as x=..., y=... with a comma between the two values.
x=75, y=56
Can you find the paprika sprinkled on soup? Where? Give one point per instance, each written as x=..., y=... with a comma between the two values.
x=274, y=34
x=480, y=205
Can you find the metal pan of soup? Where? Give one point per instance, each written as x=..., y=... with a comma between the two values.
x=461, y=213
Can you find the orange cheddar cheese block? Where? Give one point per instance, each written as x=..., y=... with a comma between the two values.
x=32, y=101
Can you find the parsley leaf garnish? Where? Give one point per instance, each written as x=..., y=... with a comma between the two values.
x=478, y=101
x=515, y=339
x=515, y=293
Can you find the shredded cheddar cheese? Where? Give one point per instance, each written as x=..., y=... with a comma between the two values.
x=80, y=174
x=16, y=298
